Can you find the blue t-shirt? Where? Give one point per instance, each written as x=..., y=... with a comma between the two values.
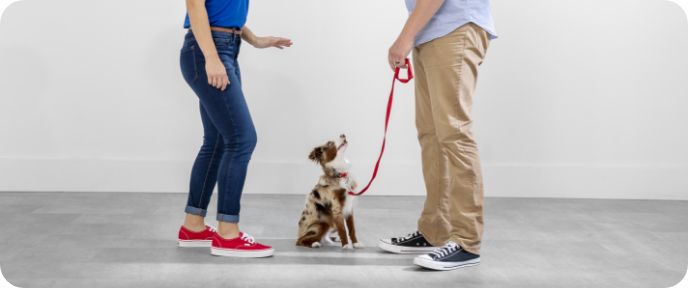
x=225, y=13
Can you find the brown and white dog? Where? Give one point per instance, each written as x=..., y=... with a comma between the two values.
x=329, y=207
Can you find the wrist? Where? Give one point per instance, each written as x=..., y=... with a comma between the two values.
x=255, y=41
x=406, y=38
x=211, y=57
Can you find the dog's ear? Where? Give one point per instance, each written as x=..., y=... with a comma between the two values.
x=316, y=154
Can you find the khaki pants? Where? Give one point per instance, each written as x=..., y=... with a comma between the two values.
x=446, y=73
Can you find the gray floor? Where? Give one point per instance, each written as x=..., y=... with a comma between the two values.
x=128, y=240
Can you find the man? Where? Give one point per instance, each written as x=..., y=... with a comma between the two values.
x=449, y=39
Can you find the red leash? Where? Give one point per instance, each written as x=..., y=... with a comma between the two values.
x=389, y=111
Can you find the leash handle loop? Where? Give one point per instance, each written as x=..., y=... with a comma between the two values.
x=409, y=72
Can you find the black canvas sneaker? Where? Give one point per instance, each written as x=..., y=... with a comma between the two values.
x=411, y=243
x=448, y=257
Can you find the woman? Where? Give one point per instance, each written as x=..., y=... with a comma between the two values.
x=209, y=65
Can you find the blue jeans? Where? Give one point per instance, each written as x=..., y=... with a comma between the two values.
x=229, y=135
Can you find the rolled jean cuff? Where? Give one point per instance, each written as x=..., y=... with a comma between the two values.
x=195, y=211
x=228, y=218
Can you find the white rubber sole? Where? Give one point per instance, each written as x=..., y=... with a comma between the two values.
x=444, y=266
x=194, y=243
x=404, y=250
x=241, y=253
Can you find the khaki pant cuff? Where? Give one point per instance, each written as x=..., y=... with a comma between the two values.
x=475, y=249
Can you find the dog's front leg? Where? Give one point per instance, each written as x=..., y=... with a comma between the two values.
x=341, y=229
x=352, y=231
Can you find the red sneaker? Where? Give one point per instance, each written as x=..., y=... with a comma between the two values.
x=188, y=238
x=242, y=246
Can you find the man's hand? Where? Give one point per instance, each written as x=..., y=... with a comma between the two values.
x=399, y=52
x=420, y=16
x=217, y=74
x=270, y=41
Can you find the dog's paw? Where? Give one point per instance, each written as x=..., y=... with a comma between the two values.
x=347, y=247
x=315, y=245
x=358, y=245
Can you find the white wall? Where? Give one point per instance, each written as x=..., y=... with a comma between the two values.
x=578, y=98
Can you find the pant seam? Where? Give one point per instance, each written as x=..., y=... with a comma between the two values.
x=230, y=156
x=210, y=165
x=193, y=52
x=438, y=177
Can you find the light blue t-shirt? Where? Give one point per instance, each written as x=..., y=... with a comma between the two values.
x=454, y=14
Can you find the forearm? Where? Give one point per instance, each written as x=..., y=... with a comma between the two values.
x=200, y=26
x=248, y=36
x=420, y=17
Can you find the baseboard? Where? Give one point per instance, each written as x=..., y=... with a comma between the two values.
x=396, y=178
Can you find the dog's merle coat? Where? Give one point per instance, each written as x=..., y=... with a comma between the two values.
x=328, y=206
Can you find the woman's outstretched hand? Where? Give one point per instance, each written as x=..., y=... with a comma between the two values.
x=264, y=42
x=270, y=41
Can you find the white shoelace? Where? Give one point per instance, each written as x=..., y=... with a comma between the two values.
x=409, y=236
x=445, y=250
x=211, y=228
x=248, y=238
